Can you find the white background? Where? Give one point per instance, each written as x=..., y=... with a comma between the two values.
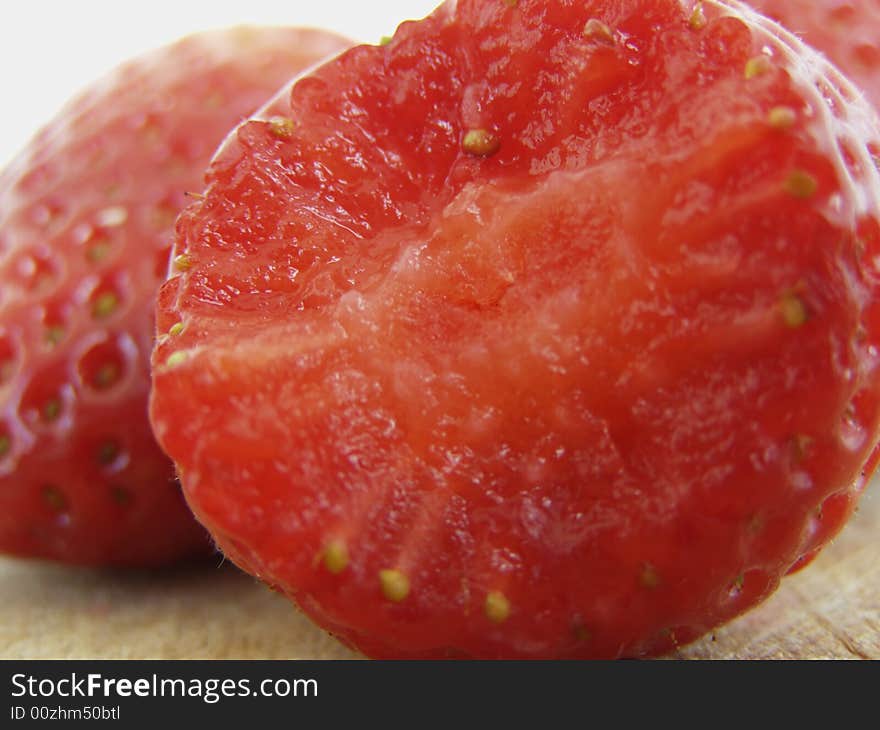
x=49, y=49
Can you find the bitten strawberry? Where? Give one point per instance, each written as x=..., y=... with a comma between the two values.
x=847, y=31
x=549, y=329
x=86, y=219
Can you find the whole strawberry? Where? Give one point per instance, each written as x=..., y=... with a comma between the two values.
x=86, y=220
x=549, y=329
x=847, y=31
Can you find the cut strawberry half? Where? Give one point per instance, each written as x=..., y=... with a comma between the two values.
x=548, y=329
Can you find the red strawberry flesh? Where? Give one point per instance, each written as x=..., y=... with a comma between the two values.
x=546, y=330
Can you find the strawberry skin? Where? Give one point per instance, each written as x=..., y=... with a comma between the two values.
x=86, y=221
x=847, y=31
x=548, y=329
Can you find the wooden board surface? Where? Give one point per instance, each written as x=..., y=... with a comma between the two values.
x=830, y=610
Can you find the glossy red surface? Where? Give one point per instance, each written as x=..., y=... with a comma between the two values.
x=86, y=222
x=546, y=330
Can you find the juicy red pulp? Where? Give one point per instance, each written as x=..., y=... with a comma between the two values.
x=584, y=394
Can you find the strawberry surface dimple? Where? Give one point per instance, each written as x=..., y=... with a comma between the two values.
x=86, y=221
x=544, y=330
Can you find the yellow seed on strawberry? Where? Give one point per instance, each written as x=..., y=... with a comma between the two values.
x=649, y=577
x=282, y=127
x=106, y=376
x=336, y=556
x=176, y=358
x=757, y=66
x=480, y=143
x=108, y=452
x=182, y=262
x=105, y=305
x=782, y=117
x=98, y=251
x=54, y=335
x=51, y=409
x=497, y=607
x=801, y=184
x=698, y=17
x=793, y=310
x=55, y=498
x=395, y=585
x=598, y=31
x=800, y=447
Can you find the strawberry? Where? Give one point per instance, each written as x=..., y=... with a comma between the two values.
x=86, y=218
x=847, y=31
x=548, y=329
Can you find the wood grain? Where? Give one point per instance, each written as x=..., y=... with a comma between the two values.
x=829, y=610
